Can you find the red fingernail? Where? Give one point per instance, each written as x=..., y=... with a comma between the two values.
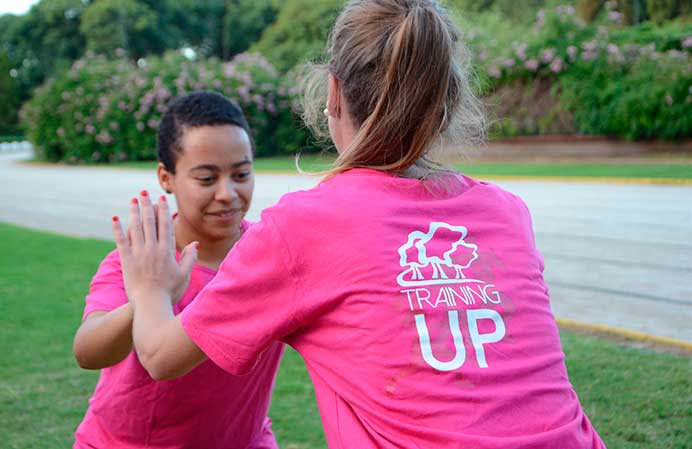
x=175, y=215
x=196, y=245
x=134, y=201
x=144, y=193
x=162, y=199
x=115, y=218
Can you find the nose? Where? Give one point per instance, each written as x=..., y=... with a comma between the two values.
x=226, y=191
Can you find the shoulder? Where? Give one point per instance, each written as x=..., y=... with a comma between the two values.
x=298, y=207
x=110, y=263
x=498, y=194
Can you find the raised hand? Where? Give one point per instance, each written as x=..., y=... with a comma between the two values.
x=147, y=252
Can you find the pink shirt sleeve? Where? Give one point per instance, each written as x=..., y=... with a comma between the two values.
x=107, y=290
x=251, y=302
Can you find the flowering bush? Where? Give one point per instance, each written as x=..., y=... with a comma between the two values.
x=108, y=110
x=633, y=92
x=632, y=82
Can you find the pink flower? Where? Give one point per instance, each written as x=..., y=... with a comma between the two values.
x=588, y=55
x=90, y=129
x=548, y=55
x=60, y=132
x=531, y=64
x=229, y=70
x=104, y=138
x=687, y=42
x=520, y=51
x=540, y=16
x=613, y=49
x=244, y=93
x=494, y=72
x=615, y=17
x=572, y=52
x=589, y=46
x=152, y=123
x=78, y=65
x=508, y=62
x=258, y=100
x=140, y=126
x=120, y=52
x=669, y=100
x=557, y=65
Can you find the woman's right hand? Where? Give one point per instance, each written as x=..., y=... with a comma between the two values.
x=147, y=252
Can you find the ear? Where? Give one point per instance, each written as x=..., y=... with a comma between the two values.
x=165, y=178
x=334, y=96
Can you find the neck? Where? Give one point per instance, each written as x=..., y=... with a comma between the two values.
x=211, y=251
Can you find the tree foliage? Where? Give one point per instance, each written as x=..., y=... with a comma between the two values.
x=127, y=24
x=299, y=33
x=10, y=94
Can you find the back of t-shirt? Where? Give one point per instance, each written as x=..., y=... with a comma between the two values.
x=420, y=310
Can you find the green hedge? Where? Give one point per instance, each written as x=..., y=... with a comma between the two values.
x=105, y=110
x=632, y=82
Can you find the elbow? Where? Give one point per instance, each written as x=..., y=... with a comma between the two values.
x=156, y=368
x=160, y=375
x=82, y=358
x=88, y=356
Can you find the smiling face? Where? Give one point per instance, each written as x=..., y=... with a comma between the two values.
x=213, y=182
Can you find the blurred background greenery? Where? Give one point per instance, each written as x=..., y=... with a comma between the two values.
x=87, y=81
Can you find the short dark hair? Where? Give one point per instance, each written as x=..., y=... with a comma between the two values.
x=192, y=110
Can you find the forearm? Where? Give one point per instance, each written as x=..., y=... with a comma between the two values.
x=162, y=346
x=104, y=340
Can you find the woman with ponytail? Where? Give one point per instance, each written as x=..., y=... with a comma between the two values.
x=414, y=293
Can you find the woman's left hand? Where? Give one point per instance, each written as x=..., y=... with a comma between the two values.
x=147, y=252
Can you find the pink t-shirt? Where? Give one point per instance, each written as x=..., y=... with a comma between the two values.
x=420, y=310
x=207, y=408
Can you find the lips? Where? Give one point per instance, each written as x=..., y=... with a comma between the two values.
x=225, y=213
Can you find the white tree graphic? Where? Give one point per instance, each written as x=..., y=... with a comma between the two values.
x=417, y=253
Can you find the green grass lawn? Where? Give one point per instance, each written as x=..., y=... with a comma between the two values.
x=654, y=169
x=636, y=398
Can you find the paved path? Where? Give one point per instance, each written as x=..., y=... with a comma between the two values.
x=616, y=255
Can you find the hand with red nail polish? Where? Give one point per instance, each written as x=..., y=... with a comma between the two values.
x=147, y=252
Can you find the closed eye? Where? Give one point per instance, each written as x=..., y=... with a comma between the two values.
x=243, y=175
x=206, y=179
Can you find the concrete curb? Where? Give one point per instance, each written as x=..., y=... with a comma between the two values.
x=624, y=333
x=590, y=180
